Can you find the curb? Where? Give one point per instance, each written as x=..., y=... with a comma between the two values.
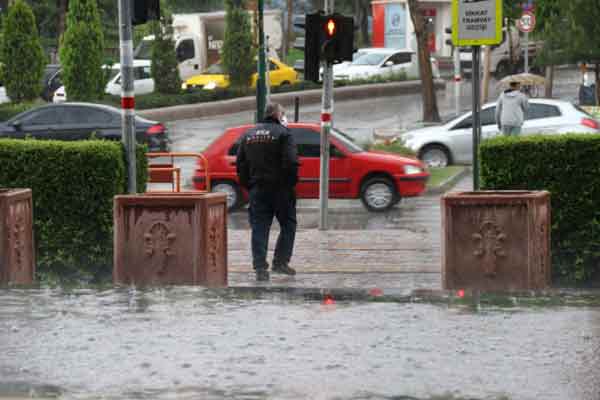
x=448, y=183
x=210, y=109
x=535, y=298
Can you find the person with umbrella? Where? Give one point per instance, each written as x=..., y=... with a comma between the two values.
x=511, y=110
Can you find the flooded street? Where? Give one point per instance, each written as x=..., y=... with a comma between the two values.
x=192, y=343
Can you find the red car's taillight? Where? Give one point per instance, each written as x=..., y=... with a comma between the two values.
x=590, y=123
x=155, y=129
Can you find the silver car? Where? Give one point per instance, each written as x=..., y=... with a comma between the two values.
x=452, y=142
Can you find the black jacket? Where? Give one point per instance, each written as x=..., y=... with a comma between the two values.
x=267, y=156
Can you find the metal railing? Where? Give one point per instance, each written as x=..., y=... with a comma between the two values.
x=170, y=173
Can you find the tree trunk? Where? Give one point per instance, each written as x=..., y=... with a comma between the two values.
x=597, y=84
x=430, y=108
x=62, y=6
x=288, y=34
x=549, y=81
x=361, y=11
x=486, y=74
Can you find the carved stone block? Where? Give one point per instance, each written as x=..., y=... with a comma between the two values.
x=171, y=239
x=17, y=252
x=496, y=240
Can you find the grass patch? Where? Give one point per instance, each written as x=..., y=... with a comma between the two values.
x=440, y=175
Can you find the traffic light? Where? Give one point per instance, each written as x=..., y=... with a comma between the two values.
x=338, y=38
x=327, y=38
x=143, y=11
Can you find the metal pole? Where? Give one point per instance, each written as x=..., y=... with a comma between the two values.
x=261, y=90
x=267, y=71
x=476, y=115
x=326, y=120
x=127, y=93
x=526, y=52
x=457, y=74
x=296, y=108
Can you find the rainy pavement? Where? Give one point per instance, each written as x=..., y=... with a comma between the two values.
x=192, y=343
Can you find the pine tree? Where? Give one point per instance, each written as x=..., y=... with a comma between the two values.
x=82, y=52
x=164, y=58
x=237, y=54
x=22, y=54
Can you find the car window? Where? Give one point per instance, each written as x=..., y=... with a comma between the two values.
x=487, y=117
x=141, y=73
x=234, y=148
x=369, y=59
x=537, y=111
x=307, y=141
x=401, y=58
x=86, y=115
x=273, y=66
x=185, y=50
x=46, y=116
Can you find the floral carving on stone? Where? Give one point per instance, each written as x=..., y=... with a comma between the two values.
x=18, y=241
x=489, y=243
x=158, y=246
x=215, y=236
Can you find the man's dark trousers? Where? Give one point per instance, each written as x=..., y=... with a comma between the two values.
x=266, y=203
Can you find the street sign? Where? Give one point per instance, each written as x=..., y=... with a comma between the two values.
x=527, y=22
x=476, y=22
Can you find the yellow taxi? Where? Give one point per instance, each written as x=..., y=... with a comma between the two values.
x=215, y=77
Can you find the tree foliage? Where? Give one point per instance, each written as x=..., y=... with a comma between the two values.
x=237, y=54
x=164, y=58
x=22, y=54
x=82, y=52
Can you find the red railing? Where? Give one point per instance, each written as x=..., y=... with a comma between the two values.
x=169, y=173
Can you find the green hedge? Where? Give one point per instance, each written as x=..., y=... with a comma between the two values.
x=73, y=185
x=567, y=166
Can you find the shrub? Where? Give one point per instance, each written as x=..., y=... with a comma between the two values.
x=238, y=51
x=567, y=166
x=397, y=147
x=82, y=52
x=22, y=54
x=164, y=59
x=73, y=186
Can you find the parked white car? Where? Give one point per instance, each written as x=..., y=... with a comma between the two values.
x=143, y=82
x=451, y=143
x=377, y=61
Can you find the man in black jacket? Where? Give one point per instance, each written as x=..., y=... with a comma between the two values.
x=267, y=165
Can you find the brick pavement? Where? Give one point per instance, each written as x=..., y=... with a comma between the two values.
x=399, y=249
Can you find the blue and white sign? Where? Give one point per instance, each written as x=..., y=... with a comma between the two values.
x=395, y=26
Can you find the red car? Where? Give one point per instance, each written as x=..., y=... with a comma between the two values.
x=380, y=179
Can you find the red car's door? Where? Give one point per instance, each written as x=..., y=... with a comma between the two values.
x=309, y=148
x=339, y=172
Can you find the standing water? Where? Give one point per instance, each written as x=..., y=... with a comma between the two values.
x=193, y=343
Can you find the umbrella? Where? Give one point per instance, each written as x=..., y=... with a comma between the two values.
x=524, y=79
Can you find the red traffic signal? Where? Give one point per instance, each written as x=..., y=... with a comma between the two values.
x=330, y=28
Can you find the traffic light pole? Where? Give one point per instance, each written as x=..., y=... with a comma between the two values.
x=476, y=114
x=326, y=121
x=127, y=93
x=261, y=90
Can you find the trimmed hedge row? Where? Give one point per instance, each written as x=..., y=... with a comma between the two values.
x=73, y=185
x=567, y=166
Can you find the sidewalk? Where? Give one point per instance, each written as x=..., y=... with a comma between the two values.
x=399, y=250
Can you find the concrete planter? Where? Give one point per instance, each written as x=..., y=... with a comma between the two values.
x=171, y=239
x=17, y=252
x=496, y=240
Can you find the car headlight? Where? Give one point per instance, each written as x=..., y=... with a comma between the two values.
x=210, y=85
x=184, y=86
x=412, y=169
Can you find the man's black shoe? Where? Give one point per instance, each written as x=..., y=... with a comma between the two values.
x=283, y=269
x=262, y=275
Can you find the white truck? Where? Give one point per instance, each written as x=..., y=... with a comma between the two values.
x=507, y=57
x=199, y=38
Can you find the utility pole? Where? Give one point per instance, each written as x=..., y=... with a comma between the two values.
x=476, y=113
x=127, y=92
x=261, y=91
x=326, y=121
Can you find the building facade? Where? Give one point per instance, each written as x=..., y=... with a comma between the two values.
x=393, y=27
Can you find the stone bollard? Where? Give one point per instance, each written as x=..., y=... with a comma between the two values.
x=170, y=239
x=17, y=252
x=496, y=240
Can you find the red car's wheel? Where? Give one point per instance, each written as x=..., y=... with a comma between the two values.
x=232, y=190
x=379, y=194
